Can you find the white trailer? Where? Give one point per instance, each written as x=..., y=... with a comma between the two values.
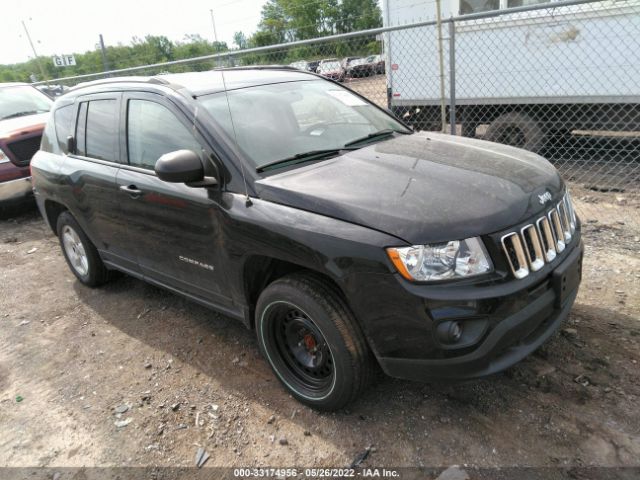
x=525, y=75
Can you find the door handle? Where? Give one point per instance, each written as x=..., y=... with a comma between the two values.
x=132, y=190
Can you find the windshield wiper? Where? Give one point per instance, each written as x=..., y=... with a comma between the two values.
x=300, y=158
x=379, y=133
x=23, y=114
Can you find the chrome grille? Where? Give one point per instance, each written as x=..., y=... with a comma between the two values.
x=541, y=241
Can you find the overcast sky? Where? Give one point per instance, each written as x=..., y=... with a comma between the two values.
x=72, y=26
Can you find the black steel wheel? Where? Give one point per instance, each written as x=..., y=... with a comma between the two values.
x=312, y=342
x=300, y=348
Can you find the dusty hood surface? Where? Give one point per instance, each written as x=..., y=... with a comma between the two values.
x=422, y=188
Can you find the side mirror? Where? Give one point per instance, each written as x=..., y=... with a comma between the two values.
x=183, y=166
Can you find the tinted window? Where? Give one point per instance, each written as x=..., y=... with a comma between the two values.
x=102, y=130
x=63, y=117
x=152, y=131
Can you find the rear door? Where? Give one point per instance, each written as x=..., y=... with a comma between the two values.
x=174, y=227
x=91, y=175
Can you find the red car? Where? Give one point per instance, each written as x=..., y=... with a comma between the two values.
x=23, y=114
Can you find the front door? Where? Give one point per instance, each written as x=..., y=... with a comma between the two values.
x=172, y=227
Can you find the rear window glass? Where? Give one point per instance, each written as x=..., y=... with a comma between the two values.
x=102, y=129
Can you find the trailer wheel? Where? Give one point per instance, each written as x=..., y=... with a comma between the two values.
x=518, y=130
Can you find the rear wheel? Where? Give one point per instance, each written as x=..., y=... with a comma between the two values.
x=518, y=130
x=81, y=255
x=312, y=342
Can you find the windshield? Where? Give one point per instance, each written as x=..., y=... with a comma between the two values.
x=22, y=100
x=278, y=121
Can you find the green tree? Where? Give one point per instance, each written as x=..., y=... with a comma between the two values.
x=240, y=40
x=358, y=15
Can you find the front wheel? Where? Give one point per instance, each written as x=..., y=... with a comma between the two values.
x=312, y=342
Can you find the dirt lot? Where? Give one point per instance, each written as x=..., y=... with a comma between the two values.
x=132, y=375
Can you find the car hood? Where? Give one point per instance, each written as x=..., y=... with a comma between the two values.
x=422, y=188
x=13, y=126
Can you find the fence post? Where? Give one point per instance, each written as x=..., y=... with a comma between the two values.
x=443, y=108
x=452, y=76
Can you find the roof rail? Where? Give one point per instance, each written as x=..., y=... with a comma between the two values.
x=129, y=79
x=259, y=67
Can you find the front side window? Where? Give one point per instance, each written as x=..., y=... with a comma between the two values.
x=272, y=122
x=22, y=100
x=152, y=131
x=101, y=134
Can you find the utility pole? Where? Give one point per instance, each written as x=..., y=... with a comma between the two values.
x=215, y=36
x=105, y=63
x=35, y=54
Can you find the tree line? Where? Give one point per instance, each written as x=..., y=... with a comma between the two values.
x=282, y=21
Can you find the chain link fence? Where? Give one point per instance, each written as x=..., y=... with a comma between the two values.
x=561, y=79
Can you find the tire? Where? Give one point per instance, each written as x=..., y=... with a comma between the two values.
x=518, y=130
x=75, y=244
x=312, y=342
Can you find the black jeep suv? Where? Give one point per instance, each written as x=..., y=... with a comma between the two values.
x=316, y=218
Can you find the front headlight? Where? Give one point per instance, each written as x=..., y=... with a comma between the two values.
x=441, y=261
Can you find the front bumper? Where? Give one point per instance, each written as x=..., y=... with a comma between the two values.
x=15, y=190
x=517, y=323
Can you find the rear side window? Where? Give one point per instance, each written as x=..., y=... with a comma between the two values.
x=102, y=129
x=58, y=128
x=152, y=131
x=63, y=118
x=49, y=143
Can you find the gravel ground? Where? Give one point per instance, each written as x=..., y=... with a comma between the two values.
x=129, y=374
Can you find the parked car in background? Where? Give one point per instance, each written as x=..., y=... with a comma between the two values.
x=364, y=67
x=317, y=219
x=53, y=90
x=306, y=66
x=300, y=65
x=331, y=68
x=352, y=70
x=358, y=68
x=23, y=114
x=376, y=63
x=346, y=60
